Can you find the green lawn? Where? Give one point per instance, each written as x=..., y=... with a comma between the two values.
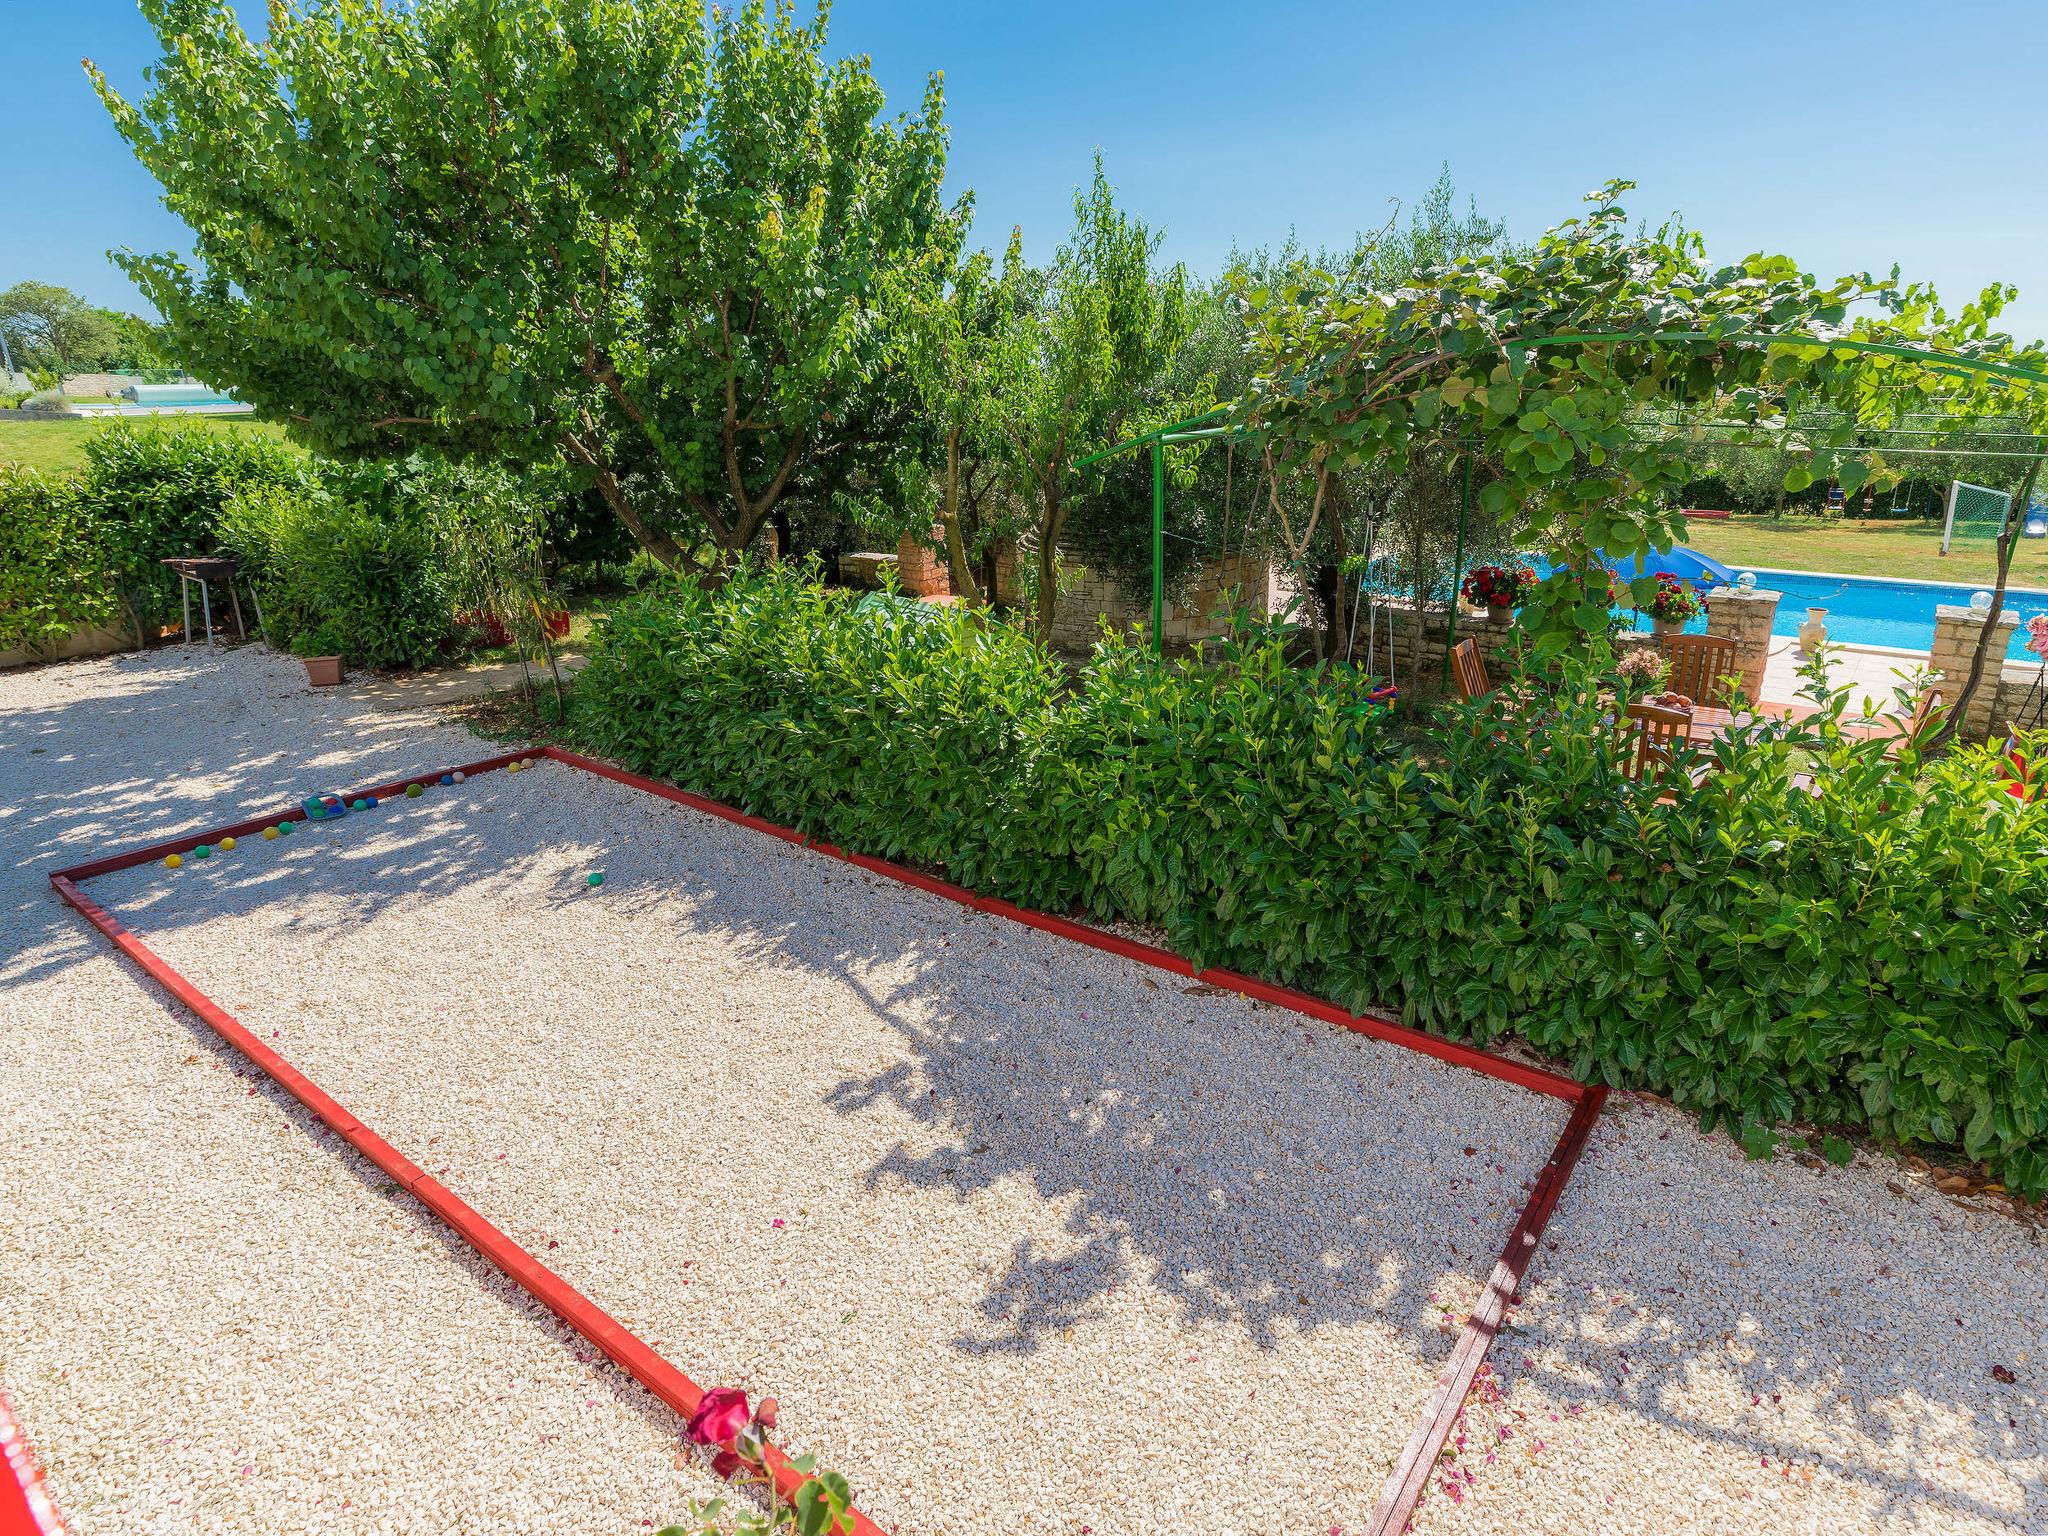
x=56, y=446
x=1860, y=547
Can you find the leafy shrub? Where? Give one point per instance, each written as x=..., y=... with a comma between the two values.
x=1870, y=951
x=157, y=493
x=348, y=551
x=53, y=569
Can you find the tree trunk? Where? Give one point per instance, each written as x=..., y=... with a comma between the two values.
x=2008, y=540
x=1048, y=593
x=956, y=547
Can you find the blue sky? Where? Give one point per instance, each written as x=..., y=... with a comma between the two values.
x=1847, y=135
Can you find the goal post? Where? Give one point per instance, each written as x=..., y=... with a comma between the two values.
x=1974, y=512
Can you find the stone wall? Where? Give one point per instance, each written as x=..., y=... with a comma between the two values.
x=80, y=642
x=1203, y=613
x=2022, y=698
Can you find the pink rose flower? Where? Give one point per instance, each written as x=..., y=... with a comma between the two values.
x=719, y=1417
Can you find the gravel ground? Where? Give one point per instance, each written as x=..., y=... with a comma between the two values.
x=841, y=1127
x=208, y=1319
x=1024, y=1236
x=1713, y=1344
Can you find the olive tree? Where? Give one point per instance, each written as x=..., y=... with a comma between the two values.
x=651, y=239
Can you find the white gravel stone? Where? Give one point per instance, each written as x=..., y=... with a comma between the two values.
x=1711, y=1344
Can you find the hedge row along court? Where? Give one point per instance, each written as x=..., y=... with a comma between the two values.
x=1866, y=954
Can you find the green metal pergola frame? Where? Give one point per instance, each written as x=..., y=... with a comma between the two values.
x=1194, y=430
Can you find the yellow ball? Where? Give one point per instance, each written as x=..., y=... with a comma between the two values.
x=269, y=834
x=226, y=845
x=173, y=862
x=511, y=767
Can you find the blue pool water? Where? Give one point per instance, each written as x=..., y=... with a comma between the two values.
x=1863, y=610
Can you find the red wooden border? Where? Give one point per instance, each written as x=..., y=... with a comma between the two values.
x=1410, y=1476
x=25, y=1507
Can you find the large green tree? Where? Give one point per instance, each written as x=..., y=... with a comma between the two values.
x=48, y=326
x=651, y=239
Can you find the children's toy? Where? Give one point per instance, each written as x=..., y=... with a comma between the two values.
x=460, y=777
x=227, y=845
x=413, y=791
x=202, y=852
x=173, y=862
x=597, y=877
x=270, y=833
x=447, y=778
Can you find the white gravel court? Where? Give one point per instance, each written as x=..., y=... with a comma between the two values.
x=1060, y=1240
x=198, y=1289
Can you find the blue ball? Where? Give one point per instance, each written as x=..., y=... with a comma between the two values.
x=372, y=799
x=447, y=778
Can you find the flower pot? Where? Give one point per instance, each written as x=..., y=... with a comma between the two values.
x=1501, y=613
x=322, y=671
x=1668, y=626
x=1813, y=634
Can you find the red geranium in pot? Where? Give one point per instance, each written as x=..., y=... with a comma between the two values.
x=1498, y=589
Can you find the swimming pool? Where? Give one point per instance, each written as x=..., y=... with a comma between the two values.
x=1864, y=610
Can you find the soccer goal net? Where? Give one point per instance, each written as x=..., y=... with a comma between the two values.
x=1974, y=512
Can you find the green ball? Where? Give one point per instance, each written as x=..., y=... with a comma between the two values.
x=202, y=852
x=284, y=828
x=597, y=877
x=412, y=791
x=318, y=812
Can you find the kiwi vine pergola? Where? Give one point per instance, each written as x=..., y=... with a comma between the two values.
x=1205, y=428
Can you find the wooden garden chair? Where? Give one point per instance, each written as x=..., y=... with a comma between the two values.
x=1698, y=663
x=1468, y=671
x=1651, y=734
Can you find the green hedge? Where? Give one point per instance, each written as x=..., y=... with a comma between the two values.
x=158, y=493
x=347, y=561
x=1874, y=954
x=55, y=576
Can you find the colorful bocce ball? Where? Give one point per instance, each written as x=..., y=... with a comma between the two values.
x=512, y=767
x=202, y=852
x=597, y=877
x=316, y=812
x=173, y=862
x=270, y=833
x=447, y=778
x=227, y=845
x=413, y=791
x=360, y=805
x=284, y=828
x=460, y=777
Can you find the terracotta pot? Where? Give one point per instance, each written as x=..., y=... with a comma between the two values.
x=1668, y=626
x=322, y=671
x=1501, y=613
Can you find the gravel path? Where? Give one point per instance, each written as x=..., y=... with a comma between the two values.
x=1020, y=1240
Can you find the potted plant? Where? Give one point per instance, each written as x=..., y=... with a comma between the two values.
x=320, y=649
x=1641, y=672
x=1497, y=588
x=1675, y=603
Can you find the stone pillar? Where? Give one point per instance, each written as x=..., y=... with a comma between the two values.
x=920, y=569
x=1955, y=641
x=1746, y=618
